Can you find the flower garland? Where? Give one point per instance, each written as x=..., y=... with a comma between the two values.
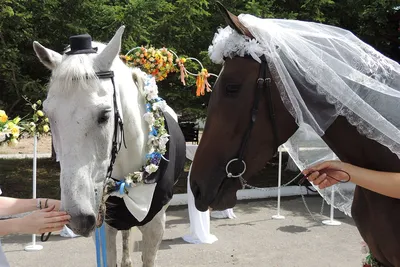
x=156, y=62
x=157, y=139
x=160, y=63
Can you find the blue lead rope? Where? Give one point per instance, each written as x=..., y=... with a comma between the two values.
x=101, y=250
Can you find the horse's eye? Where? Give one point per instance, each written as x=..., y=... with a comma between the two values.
x=232, y=89
x=104, y=116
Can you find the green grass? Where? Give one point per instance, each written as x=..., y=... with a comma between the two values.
x=16, y=178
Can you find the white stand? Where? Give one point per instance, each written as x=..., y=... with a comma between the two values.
x=278, y=216
x=331, y=221
x=34, y=246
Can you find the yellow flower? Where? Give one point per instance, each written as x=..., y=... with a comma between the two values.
x=3, y=116
x=46, y=128
x=40, y=113
x=15, y=131
x=46, y=120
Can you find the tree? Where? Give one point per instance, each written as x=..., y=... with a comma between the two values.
x=185, y=26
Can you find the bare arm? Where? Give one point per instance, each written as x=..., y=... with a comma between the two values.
x=10, y=226
x=385, y=183
x=37, y=222
x=12, y=206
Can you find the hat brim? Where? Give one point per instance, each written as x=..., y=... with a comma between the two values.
x=82, y=51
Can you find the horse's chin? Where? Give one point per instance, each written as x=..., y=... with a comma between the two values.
x=225, y=197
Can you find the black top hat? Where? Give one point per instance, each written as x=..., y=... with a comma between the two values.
x=81, y=44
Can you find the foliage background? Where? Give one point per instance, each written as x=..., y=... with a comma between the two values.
x=186, y=26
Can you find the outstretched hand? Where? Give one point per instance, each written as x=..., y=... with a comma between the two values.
x=327, y=173
x=42, y=221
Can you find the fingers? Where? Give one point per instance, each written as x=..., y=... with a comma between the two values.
x=317, y=167
x=59, y=218
x=48, y=209
x=55, y=214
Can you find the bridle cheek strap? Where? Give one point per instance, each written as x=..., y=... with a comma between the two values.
x=118, y=135
x=263, y=84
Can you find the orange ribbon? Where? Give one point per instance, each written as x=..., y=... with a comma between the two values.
x=202, y=83
x=182, y=69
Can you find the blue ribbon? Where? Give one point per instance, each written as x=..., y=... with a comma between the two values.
x=101, y=250
x=121, y=186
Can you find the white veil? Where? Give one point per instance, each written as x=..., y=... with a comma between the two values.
x=322, y=72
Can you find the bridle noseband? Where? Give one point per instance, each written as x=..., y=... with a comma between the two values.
x=263, y=85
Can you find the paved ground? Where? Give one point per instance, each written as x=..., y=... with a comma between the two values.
x=253, y=239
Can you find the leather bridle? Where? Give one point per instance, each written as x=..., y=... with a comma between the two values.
x=118, y=136
x=263, y=86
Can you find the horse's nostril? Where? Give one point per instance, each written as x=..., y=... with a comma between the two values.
x=87, y=220
x=91, y=219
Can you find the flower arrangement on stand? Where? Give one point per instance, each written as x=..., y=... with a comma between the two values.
x=11, y=130
x=38, y=124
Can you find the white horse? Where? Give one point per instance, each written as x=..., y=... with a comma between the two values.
x=81, y=108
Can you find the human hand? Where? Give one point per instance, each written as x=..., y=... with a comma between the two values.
x=42, y=221
x=52, y=202
x=327, y=173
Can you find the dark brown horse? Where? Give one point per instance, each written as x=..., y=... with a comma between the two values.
x=229, y=115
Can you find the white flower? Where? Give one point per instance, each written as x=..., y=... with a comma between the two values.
x=151, y=168
x=128, y=180
x=149, y=118
x=138, y=177
x=152, y=138
x=160, y=105
x=151, y=90
x=152, y=95
x=162, y=141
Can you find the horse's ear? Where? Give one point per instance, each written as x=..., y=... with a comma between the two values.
x=233, y=21
x=105, y=59
x=48, y=57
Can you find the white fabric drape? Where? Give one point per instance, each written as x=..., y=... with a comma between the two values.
x=199, y=221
